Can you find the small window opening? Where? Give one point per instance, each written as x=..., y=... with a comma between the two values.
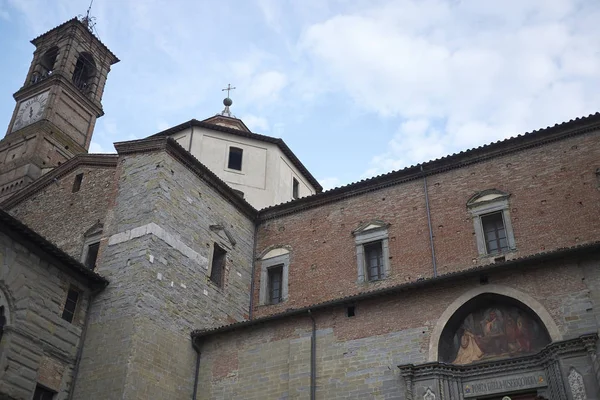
x=350, y=311
x=275, y=284
x=41, y=393
x=235, y=158
x=84, y=72
x=70, y=305
x=218, y=265
x=2, y=321
x=92, y=255
x=295, y=187
x=494, y=233
x=239, y=193
x=77, y=182
x=374, y=260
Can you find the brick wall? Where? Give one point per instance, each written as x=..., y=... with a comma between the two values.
x=156, y=256
x=358, y=357
x=62, y=216
x=554, y=202
x=38, y=346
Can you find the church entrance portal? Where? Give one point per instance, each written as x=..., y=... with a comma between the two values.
x=497, y=348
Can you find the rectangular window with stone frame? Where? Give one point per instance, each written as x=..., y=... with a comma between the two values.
x=372, y=251
x=274, y=272
x=491, y=222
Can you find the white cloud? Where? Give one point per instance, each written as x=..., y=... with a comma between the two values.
x=266, y=86
x=329, y=183
x=469, y=73
x=256, y=123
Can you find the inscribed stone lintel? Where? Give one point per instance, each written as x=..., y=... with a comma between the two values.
x=509, y=383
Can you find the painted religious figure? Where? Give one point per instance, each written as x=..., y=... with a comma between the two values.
x=497, y=332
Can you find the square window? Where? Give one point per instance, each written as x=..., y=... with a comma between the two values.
x=494, y=233
x=275, y=284
x=92, y=255
x=374, y=261
x=217, y=271
x=41, y=393
x=235, y=158
x=70, y=305
x=295, y=188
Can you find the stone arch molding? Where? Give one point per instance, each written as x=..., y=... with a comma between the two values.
x=524, y=298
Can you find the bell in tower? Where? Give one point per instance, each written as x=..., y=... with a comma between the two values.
x=57, y=106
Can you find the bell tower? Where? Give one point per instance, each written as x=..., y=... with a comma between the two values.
x=57, y=106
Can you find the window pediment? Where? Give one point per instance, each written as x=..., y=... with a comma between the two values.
x=369, y=227
x=487, y=196
x=276, y=252
x=224, y=235
x=96, y=229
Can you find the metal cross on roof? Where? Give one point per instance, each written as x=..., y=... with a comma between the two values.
x=228, y=88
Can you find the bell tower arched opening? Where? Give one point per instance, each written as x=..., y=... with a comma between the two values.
x=48, y=61
x=491, y=327
x=85, y=70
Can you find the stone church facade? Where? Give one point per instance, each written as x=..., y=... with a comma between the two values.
x=147, y=275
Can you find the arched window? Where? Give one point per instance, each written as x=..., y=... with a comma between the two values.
x=85, y=70
x=275, y=265
x=490, y=327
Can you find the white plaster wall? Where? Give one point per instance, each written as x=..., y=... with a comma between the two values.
x=266, y=175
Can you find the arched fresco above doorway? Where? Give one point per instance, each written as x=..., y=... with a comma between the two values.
x=491, y=327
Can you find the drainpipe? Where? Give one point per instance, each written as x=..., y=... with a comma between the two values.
x=429, y=223
x=196, y=346
x=251, y=310
x=313, y=358
x=82, y=341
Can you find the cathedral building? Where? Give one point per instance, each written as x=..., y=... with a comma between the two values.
x=206, y=262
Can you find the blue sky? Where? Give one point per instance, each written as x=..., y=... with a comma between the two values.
x=356, y=88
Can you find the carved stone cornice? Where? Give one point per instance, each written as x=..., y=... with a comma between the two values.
x=545, y=356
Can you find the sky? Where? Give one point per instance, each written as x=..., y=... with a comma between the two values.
x=355, y=88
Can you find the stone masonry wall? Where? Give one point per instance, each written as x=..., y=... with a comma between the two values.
x=62, y=216
x=38, y=346
x=357, y=357
x=156, y=258
x=554, y=203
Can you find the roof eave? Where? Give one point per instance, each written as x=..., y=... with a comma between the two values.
x=454, y=161
x=533, y=259
x=13, y=227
